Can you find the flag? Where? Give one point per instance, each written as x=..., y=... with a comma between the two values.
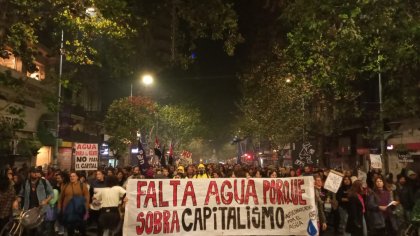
x=171, y=155
x=163, y=158
x=158, y=152
x=141, y=156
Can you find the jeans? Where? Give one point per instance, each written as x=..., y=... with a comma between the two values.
x=343, y=221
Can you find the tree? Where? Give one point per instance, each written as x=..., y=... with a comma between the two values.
x=333, y=51
x=179, y=124
x=125, y=117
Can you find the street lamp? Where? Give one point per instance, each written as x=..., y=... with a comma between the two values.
x=146, y=79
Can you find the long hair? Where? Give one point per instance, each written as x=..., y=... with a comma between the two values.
x=385, y=187
x=4, y=181
x=356, y=188
x=111, y=181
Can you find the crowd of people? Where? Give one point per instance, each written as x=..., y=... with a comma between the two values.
x=378, y=206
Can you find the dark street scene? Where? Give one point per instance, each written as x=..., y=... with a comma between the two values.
x=209, y=117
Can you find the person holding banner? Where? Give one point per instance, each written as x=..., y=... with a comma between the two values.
x=320, y=204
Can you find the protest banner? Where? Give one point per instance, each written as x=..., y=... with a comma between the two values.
x=234, y=206
x=375, y=161
x=333, y=181
x=86, y=156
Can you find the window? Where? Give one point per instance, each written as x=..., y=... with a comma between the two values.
x=39, y=73
x=7, y=59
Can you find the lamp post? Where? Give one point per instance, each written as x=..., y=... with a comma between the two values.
x=381, y=118
x=57, y=131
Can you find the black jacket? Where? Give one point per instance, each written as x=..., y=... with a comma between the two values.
x=355, y=219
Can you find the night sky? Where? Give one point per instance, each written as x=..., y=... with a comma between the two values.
x=211, y=83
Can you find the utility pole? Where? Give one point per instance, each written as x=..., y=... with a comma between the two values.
x=57, y=131
x=381, y=118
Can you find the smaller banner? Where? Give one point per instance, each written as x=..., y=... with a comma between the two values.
x=86, y=156
x=333, y=181
x=375, y=161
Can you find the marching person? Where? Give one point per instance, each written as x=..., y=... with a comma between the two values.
x=320, y=204
x=7, y=197
x=110, y=198
x=379, y=203
x=36, y=192
x=201, y=172
x=356, y=223
x=69, y=191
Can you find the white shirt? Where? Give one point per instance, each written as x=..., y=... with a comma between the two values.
x=110, y=197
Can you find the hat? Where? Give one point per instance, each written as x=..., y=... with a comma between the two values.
x=201, y=166
x=180, y=169
x=33, y=169
x=410, y=172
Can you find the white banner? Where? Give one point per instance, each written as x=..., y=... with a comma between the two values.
x=375, y=161
x=86, y=156
x=221, y=207
x=333, y=181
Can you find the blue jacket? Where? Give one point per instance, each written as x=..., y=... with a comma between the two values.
x=41, y=192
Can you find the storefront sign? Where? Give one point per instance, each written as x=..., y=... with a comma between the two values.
x=221, y=207
x=404, y=157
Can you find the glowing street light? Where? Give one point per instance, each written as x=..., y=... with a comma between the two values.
x=146, y=79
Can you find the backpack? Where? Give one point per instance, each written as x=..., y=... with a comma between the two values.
x=75, y=209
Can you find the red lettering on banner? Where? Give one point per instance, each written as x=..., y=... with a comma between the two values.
x=279, y=185
x=175, y=221
x=140, y=192
x=157, y=222
x=151, y=195
x=175, y=184
x=166, y=216
x=162, y=203
x=251, y=192
x=266, y=188
x=283, y=191
x=273, y=191
x=189, y=191
x=301, y=191
x=140, y=219
x=238, y=199
x=286, y=192
x=229, y=195
x=294, y=193
x=212, y=190
x=149, y=222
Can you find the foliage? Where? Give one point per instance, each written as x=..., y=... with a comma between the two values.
x=127, y=116
x=11, y=114
x=179, y=124
x=333, y=51
x=25, y=23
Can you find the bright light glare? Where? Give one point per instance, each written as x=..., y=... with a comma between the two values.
x=147, y=79
x=288, y=80
x=91, y=11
